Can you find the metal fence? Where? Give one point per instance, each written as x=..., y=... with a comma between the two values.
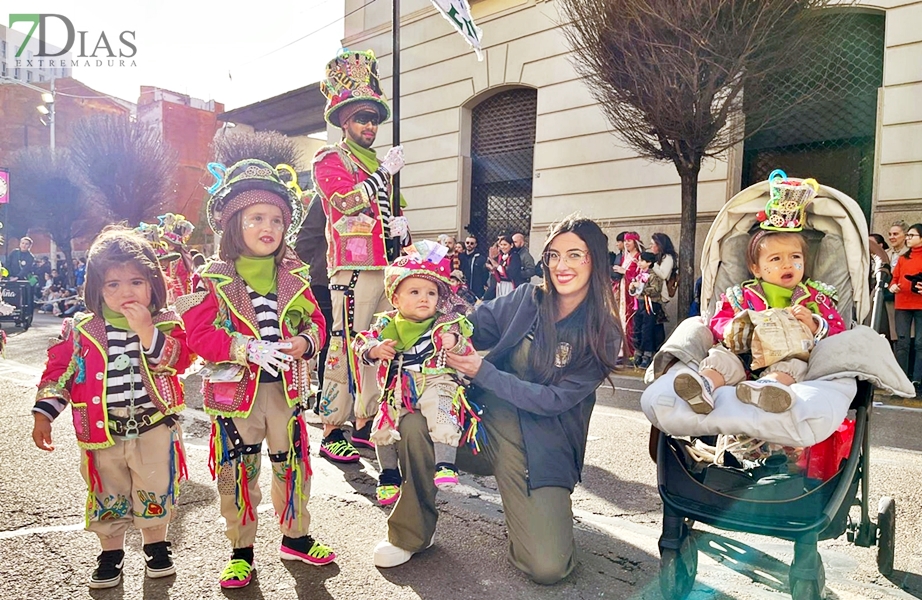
x=502, y=156
x=829, y=136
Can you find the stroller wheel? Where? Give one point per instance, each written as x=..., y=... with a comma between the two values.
x=678, y=570
x=809, y=589
x=886, y=535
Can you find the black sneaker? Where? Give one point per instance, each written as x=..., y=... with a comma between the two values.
x=108, y=571
x=362, y=437
x=159, y=560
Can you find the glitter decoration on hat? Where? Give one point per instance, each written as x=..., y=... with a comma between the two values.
x=253, y=175
x=787, y=202
x=352, y=77
x=176, y=228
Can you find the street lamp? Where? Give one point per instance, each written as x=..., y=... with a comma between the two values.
x=46, y=109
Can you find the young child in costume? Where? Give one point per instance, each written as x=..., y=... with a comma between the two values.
x=777, y=258
x=118, y=367
x=409, y=345
x=647, y=289
x=252, y=315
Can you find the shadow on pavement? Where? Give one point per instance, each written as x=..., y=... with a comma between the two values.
x=911, y=583
x=309, y=580
x=630, y=496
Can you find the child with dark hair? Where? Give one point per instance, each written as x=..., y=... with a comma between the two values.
x=647, y=290
x=118, y=365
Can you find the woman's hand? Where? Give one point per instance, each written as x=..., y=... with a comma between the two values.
x=803, y=314
x=618, y=269
x=466, y=365
x=895, y=288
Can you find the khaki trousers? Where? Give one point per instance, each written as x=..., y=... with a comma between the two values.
x=267, y=421
x=539, y=521
x=435, y=405
x=133, y=484
x=337, y=405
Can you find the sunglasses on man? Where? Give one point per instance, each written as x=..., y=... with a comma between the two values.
x=365, y=118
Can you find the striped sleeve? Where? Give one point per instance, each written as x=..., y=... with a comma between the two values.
x=155, y=353
x=50, y=407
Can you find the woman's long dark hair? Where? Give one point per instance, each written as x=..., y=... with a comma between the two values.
x=593, y=330
x=666, y=247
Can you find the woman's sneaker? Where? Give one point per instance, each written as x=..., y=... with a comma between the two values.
x=446, y=476
x=159, y=560
x=768, y=394
x=108, y=572
x=237, y=574
x=694, y=389
x=336, y=448
x=307, y=550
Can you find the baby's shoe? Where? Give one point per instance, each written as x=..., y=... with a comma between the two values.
x=108, y=572
x=159, y=560
x=446, y=476
x=694, y=389
x=307, y=550
x=768, y=394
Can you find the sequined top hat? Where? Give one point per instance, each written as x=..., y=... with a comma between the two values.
x=425, y=259
x=251, y=182
x=176, y=228
x=352, y=78
x=787, y=202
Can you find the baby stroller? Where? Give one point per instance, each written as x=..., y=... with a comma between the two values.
x=801, y=510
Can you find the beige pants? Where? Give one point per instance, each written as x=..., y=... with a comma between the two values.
x=434, y=403
x=133, y=483
x=267, y=421
x=731, y=368
x=337, y=405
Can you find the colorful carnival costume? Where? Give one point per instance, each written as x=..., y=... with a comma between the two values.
x=170, y=236
x=123, y=400
x=364, y=233
x=417, y=378
x=237, y=311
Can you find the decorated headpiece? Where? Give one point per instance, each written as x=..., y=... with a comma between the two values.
x=251, y=182
x=630, y=235
x=427, y=260
x=352, y=79
x=787, y=202
x=153, y=233
x=176, y=228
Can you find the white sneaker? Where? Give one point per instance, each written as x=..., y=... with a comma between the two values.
x=768, y=394
x=694, y=389
x=388, y=555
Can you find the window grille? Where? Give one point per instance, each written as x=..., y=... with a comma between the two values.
x=502, y=156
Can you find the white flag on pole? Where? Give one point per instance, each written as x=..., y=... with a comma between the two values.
x=458, y=12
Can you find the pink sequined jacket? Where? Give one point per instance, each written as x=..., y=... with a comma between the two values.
x=815, y=295
x=76, y=373
x=220, y=319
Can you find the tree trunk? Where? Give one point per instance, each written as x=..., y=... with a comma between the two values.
x=687, y=272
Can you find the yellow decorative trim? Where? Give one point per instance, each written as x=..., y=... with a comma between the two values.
x=238, y=348
x=52, y=390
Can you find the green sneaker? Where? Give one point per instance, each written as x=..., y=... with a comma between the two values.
x=237, y=574
x=336, y=448
x=387, y=494
x=446, y=477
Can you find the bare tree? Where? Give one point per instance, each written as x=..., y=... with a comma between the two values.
x=671, y=75
x=127, y=164
x=52, y=198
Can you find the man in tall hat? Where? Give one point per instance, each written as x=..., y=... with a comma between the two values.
x=364, y=232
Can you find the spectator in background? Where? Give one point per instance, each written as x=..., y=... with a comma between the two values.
x=474, y=267
x=506, y=268
x=529, y=268
x=629, y=269
x=667, y=261
x=42, y=268
x=458, y=287
x=21, y=263
x=909, y=306
x=58, y=279
x=79, y=272
x=897, y=236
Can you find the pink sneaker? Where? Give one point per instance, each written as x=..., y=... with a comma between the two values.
x=445, y=478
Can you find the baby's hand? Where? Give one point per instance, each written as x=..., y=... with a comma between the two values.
x=384, y=351
x=803, y=314
x=41, y=433
x=449, y=340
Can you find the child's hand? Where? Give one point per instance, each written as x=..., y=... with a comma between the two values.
x=384, y=351
x=803, y=314
x=41, y=432
x=449, y=340
x=298, y=346
x=140, y=321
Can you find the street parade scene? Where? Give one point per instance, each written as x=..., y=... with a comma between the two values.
x=451, y=299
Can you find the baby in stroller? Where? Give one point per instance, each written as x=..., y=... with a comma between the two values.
x=776, y=256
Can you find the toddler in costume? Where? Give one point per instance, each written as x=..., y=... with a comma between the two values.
x=647, y=289
x=118, y=365
x=253, y=316
x=409, y=344
x=777, y=258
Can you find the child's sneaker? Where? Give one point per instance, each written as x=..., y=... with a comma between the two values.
x=361, y=438
x=768, y=394
x=336, y=448
x=237, y=574
x=307, y=550
x=159, y=560
x=694, y=389
x=446, y=476
x=108, y=572
x=387, y=494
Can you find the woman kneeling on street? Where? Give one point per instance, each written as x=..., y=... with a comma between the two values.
x=550, y=347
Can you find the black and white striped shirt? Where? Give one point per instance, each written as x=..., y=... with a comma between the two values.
x=377, y=189
x=267, y=321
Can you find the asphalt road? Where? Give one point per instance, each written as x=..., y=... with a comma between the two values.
x=618, y=513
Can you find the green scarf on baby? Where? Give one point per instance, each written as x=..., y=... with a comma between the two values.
x=406, y=332
x=779, y=297
x=369, y=160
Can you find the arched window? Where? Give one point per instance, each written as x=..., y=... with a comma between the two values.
x=502, y=157
x=830, y=137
